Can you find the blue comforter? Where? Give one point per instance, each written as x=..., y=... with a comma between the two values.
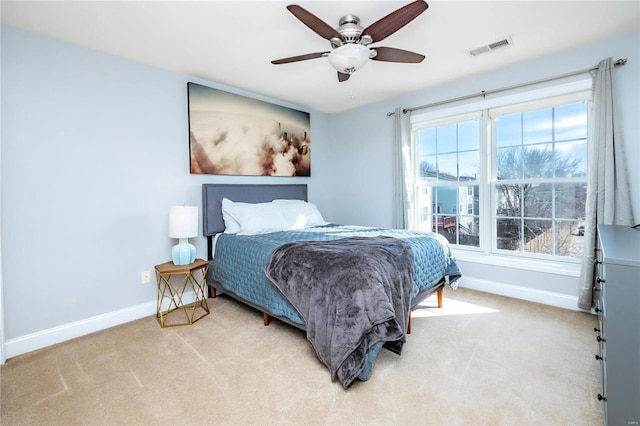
x=239, y=261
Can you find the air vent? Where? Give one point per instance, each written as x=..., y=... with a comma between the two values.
x=493, y=46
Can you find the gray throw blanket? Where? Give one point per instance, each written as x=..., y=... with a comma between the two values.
x=352, y=293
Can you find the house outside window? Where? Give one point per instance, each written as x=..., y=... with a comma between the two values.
x=508, y=178
x=448, y=154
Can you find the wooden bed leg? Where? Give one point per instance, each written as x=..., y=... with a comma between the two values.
x=265, y=318
x=212, y=292
x=409, y=324
x=440, y=294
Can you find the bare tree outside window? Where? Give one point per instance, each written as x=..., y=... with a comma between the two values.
x=541, y=181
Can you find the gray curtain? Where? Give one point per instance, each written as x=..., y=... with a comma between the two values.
x=608, y=197
x=403, y=172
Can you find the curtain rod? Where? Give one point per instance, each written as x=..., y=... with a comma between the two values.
x=484, y=93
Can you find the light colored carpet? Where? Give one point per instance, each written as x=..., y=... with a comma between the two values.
x=481, y=360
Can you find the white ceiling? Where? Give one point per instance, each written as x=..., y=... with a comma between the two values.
x=233, y=42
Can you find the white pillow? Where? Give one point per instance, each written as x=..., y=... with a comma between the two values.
x=299, y=214
x=231, y=226
x=256, y=218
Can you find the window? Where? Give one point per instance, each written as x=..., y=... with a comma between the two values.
x=449, y=156
x=540, y=179
x=505, y=178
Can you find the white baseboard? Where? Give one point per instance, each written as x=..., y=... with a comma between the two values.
x=59, y=334
x=525, y=293
x=62, y=333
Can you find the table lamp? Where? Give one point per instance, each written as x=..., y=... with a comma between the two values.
x=183, y=224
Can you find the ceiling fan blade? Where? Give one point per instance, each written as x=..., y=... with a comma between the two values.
x=390, y=54
x=300, y=58
x=391, y=23
x=343, y=76
x=320, y=27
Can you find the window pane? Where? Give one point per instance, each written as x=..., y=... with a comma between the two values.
x=448, y=167
x=509, y=129
x=538, y=236
x=538, y=200
x=469, y=200
x=537, y=126
x=424, y=207
x=570, y=200
x=508, y=200
x=427, y=141
x=469, y=231
x=538, y=161
x=469, y=165
x=447, y=138
x=469, y=135
x=446, y=197
x=571, y=121
x=446, y=226
x=468, y=228
x=509, y=163
x=508, y=234
x=571, y=159
x=428, y=167
x=569, y=240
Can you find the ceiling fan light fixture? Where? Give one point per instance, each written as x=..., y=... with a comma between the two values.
x=349, y=57
x=349, y=41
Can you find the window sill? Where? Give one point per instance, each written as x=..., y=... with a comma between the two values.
x=571, y=269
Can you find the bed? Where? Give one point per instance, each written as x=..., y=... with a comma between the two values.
x=258, y=270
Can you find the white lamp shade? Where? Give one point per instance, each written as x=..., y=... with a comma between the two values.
x=183, y=221
x=349, y=57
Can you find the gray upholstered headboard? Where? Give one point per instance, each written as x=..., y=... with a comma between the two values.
x=212, y=195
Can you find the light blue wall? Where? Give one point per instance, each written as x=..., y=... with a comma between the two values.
x=94, y=151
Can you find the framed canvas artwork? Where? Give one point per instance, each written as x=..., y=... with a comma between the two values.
x=231, y=134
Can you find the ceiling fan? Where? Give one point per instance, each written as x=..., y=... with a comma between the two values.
x=349, y=42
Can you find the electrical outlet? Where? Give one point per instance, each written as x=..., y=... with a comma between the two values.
x=146, y=277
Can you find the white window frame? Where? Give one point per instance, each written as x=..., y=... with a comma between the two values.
x=538, y=96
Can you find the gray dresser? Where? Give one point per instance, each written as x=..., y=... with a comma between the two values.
x=617, y=289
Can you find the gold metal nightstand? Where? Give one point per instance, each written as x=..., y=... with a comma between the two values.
x=193, y=276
